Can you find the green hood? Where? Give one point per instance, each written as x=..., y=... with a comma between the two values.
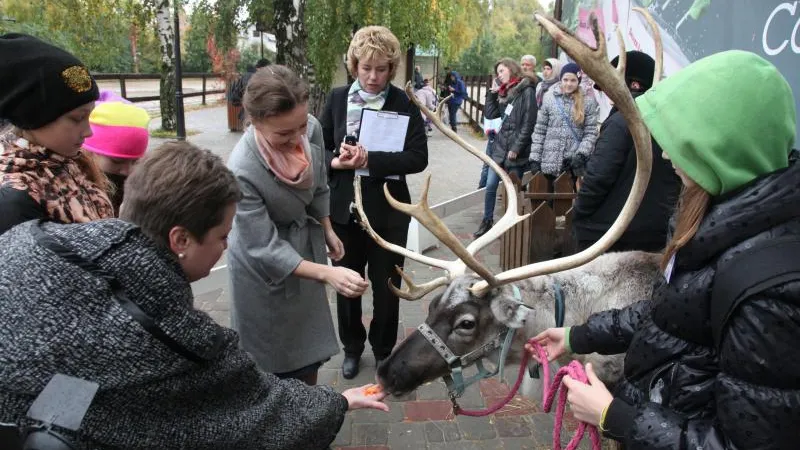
x=724, y=120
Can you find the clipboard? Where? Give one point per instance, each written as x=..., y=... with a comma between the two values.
x=382, y=131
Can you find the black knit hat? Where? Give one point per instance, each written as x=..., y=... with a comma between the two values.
x=40, y=82
x=639, y=67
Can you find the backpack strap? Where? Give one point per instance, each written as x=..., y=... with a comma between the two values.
x=121, y=296
x=749, y=273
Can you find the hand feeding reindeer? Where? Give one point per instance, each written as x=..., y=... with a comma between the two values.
x=474, y=312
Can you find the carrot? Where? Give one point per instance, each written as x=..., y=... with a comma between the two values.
x=372, y=390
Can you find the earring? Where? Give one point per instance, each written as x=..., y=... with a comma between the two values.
x=181, y=256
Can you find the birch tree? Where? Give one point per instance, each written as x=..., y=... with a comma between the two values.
x=166, y=40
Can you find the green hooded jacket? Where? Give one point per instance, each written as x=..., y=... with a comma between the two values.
x=724, y=120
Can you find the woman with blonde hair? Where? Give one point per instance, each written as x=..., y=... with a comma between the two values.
x=566, y=127
x=373, y=58
x=277, y=259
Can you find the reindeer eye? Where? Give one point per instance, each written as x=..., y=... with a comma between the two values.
x=466, y=324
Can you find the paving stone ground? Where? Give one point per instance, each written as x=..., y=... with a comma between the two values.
x=424, y=418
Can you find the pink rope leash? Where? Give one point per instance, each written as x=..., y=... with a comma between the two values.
x=575, y=370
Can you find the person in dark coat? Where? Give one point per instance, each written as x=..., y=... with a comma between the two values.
x=688, y=384
x=373, y=58
x=178, y=380
x=609, y=177
x=453, y=84
x=513, y=100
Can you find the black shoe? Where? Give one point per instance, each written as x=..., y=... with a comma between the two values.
x=453, y=127
x=350, y=366
x=485, y=226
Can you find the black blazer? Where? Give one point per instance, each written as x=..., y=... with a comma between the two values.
x=413, y=159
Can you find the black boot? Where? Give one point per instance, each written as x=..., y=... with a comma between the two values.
x=453, y=127
x=485, y=226
x=350, y=366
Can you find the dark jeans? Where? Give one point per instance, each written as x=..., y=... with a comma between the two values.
x=453, y=109
x=492, y=181
x=485, y=168
x=360, y=252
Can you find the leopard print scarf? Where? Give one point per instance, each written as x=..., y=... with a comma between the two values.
x=55, y=182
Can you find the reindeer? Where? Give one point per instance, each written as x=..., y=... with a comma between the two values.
x=468, y=321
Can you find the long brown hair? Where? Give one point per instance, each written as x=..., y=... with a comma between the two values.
x=692, y=207
x=577, y=106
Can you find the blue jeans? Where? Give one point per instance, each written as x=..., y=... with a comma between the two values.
x=485, y=168
x=492, y=181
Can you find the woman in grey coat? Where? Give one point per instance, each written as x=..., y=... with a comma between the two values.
x=109, y=302
x=566, y=128
x=277, y=259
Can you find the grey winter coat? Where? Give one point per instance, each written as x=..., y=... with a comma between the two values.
x=515, y=132
x=58, y=318
x=284, y=321
x=554, y=147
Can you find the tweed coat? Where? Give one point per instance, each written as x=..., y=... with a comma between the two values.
x=284, y=321
x=553, y=143
x=58, y=318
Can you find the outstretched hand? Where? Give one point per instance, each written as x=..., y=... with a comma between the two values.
x=553, y=341
x=366, y=397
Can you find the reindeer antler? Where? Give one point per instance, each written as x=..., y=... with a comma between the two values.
x=659, y=45
x=595, y=63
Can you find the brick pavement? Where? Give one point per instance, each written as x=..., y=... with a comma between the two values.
x=423, y=419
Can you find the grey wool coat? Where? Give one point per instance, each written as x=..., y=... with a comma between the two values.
x=284, y=321
x=56, y=317
x=554, y=146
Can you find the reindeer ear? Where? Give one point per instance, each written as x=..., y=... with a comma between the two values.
x=510, y=311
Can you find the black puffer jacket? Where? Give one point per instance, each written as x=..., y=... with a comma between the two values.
x=680, y=391
x=607, y=183
x=516, y=130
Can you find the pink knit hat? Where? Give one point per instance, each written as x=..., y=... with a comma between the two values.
x=120, y=129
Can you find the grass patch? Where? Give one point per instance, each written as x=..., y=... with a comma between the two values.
x=164, y=134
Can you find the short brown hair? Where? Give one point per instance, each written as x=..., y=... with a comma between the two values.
x=273, y=90
x=178, y=184
x=373, y=42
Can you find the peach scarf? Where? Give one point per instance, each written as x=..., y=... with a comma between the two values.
x=293, y=168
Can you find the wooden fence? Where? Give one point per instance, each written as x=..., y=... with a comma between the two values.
x=122, y=77
x=477, y=85
x=547, y=233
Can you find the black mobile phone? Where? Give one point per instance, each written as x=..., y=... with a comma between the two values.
x=350, y=140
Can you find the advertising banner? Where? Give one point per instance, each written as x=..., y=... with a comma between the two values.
x=692, y=29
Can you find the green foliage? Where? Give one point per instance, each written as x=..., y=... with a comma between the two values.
x=444, y=24
x=195, y=43
x=508, y=31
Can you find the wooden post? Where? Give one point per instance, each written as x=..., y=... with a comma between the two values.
x=204, y=88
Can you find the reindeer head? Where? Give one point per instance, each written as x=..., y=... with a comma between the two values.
x=463, y=321
x=464, y=316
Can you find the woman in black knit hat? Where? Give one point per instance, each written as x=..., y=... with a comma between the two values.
x=47, y=97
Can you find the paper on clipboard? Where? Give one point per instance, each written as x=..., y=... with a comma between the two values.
x=382, y=131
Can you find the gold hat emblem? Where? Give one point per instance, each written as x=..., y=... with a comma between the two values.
x=77, y=78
